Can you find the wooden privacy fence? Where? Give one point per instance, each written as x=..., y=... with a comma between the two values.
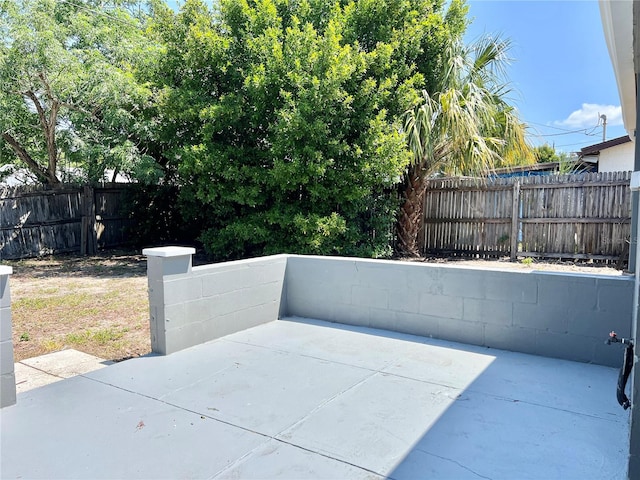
x=581, y=216
x=35, y=221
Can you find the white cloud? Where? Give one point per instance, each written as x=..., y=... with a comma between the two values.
x=589, y=114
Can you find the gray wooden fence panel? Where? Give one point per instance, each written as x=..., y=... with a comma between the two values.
x=467, y=216
x=560, y=216
x=110, y=222
x=36, y=221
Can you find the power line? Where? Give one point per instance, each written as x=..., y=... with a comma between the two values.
x=583, y=132
x=557, y=128
x=570, y=144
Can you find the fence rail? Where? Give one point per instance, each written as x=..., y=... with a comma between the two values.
x=35, y=221
x=583, y=216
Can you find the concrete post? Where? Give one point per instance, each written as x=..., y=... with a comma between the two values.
x=163, y=262
x=7, y=374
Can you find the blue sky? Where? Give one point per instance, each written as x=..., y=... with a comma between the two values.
x=561, y=69
x=561, y=72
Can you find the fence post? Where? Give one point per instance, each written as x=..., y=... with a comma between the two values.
x=88, y=240
x=515, y=221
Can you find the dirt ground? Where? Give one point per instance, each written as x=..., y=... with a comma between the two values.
x=531, y=264
x=99, y=304
x=96, y=304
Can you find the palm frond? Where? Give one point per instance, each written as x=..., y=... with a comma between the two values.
x=468, y=126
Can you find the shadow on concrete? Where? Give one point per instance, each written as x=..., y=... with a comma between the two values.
x=506, y=415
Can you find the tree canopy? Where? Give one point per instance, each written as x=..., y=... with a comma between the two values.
x=281, y=122
x=284, y=117
x=68, y=86
x=546, y=153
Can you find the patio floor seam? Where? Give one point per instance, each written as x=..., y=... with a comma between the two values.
x=40, y=370
x=304, y=355
x=179, y=407
x=479, y=475
x=541, y=405
x=187, y=386
x=501, y=397
x=301, y=447
x=267, y=437
x=325, y=403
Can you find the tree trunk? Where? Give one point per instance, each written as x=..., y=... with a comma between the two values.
x=48, y=126
x=52, y=148
x=23, y=155
x=411, y=211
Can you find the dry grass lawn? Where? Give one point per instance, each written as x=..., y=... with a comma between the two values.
x=97, y=305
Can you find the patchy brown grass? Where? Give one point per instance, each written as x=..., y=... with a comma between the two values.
x=96, y=304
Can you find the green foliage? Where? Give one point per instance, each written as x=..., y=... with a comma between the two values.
x=545, y=153
x=282, y=117
x=69, y=90
x=154, y=214
x=467, y=125
x=464, y=126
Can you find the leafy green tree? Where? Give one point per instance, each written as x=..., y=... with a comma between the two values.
x=464, y=126
x=68, y=86
x=284, y=118
x=545, y=153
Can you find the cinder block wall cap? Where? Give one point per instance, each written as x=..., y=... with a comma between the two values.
x=168, y=251
x=6, y=270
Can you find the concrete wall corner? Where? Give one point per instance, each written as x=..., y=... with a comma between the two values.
x=163, y=262
x=192, y=305
x=7, y=372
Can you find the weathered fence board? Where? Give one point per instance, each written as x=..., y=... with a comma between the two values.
x=560, y=216
x=110, y=223
x=35, y=221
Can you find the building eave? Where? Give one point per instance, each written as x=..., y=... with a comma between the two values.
x=617, y=24
x=598, y=147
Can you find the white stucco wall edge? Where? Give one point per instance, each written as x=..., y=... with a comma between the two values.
x=620, y=45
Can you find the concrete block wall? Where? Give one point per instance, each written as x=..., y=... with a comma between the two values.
x=191, y=305
x=543, y=313
x=557, y=315
x=7, y=373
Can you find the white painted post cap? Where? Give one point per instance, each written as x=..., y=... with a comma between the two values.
x=168, y=251
x=6, y=270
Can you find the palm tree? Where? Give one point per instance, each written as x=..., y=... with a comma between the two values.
x=466, y=126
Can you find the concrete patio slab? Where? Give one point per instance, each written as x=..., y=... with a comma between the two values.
x=309, y=399
x=375, y=410
x=80, y=428
x=39, y=371
x=488, y=436
x=275, y=459
x=28, y=378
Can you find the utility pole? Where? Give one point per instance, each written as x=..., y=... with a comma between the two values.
x=603, y=117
